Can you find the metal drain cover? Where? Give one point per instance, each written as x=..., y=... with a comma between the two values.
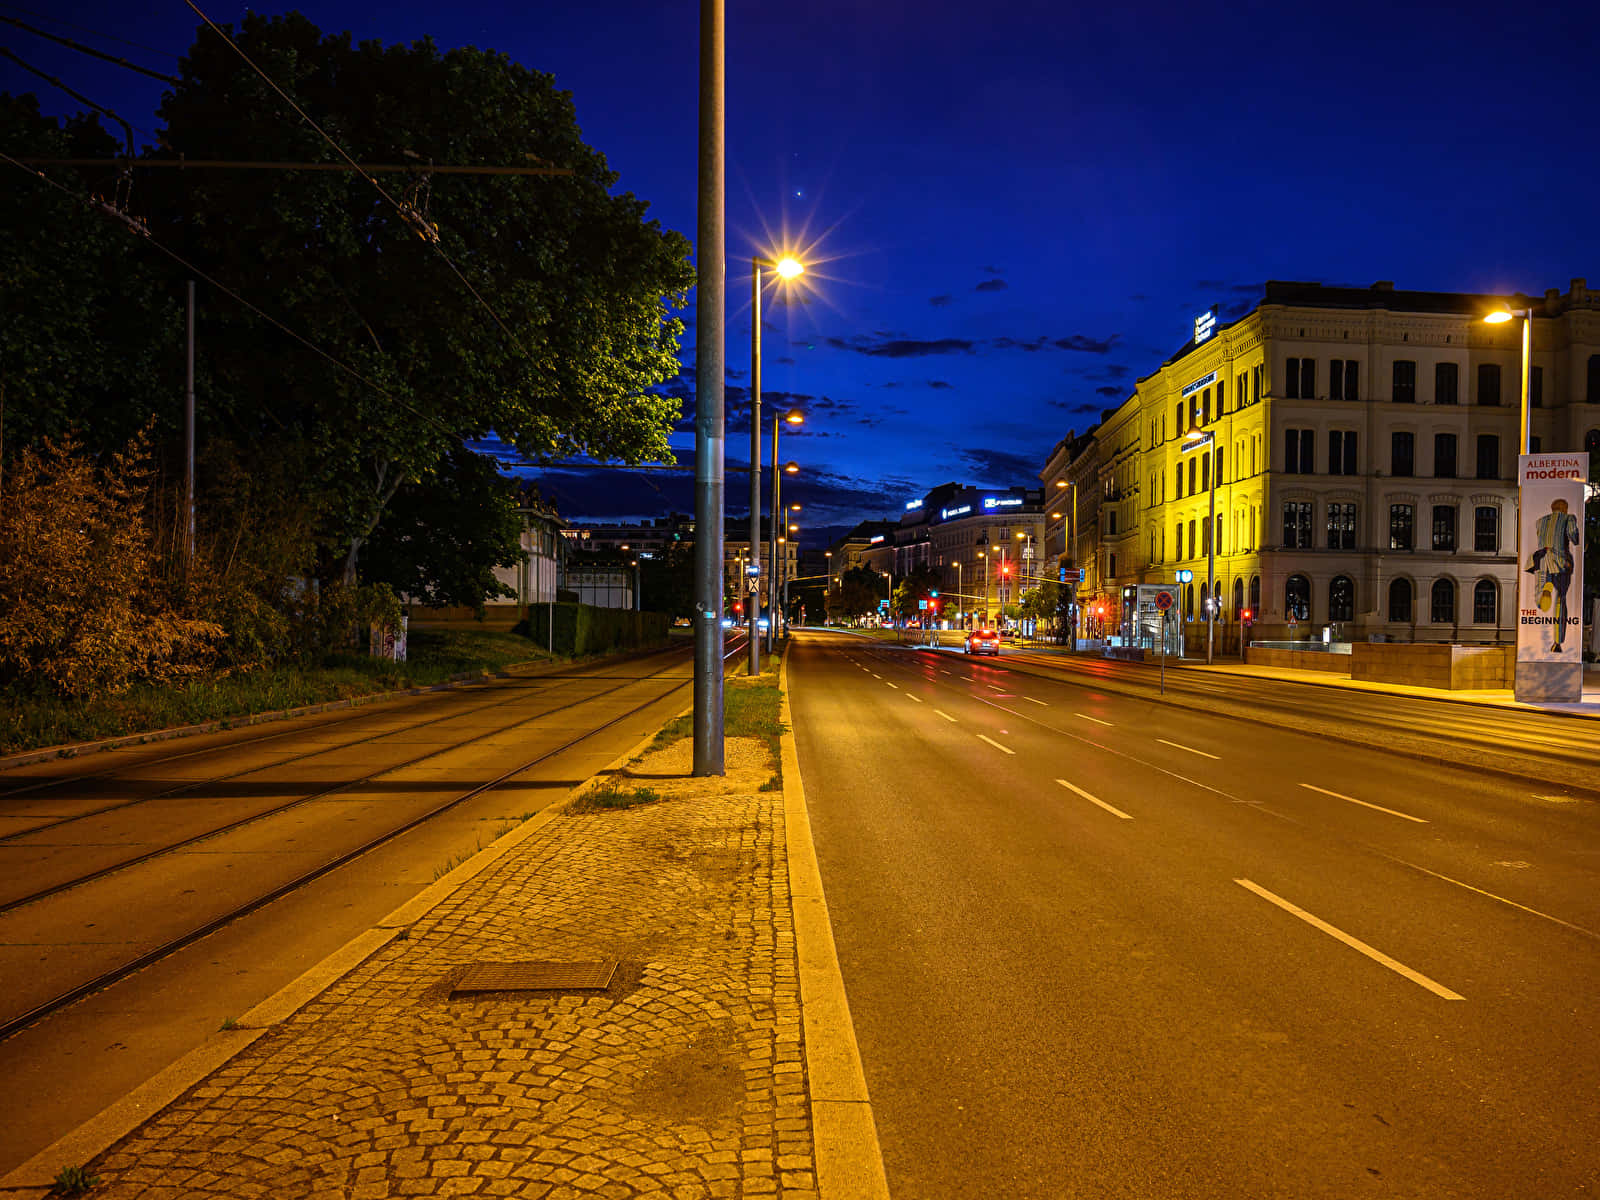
x=534, y=977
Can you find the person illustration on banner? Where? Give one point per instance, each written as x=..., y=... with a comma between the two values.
x=1555, y=536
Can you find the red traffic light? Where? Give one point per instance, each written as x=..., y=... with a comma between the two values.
x=738, y=609
x=1246, y=614
x=1005, y=568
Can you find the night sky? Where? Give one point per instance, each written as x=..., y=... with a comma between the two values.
x=1014, y=210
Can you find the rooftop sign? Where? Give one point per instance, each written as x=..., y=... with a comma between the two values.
x=1205, y=325
x=875, y=539
x=913, y=505
x=1002, y=501
x=946, y=513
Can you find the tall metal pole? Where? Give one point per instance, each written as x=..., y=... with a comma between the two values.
x=1527, y=346
x=1211, y=543
x=710, y=367
x=755, y=467
x=772, y=530
x=189, y=436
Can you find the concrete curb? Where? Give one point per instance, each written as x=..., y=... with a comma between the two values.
x=100, y=1132
x=844, y=1134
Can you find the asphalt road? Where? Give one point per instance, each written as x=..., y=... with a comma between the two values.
x=1098, y=944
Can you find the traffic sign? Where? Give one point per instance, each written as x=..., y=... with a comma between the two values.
x=1163, y=600
x=1185, y=576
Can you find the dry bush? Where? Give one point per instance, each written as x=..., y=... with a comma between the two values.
x=81, y=610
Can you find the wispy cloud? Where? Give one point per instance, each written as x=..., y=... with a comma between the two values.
x=940, y=301
x=992, y=285
x=1001, y=468
x=902, y=347
x=939, y=384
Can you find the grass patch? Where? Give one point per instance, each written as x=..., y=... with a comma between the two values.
x=775, y=784
x=610, y=796
x=30, y=719
x=75, y=1181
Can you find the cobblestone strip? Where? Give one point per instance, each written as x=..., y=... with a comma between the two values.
x=684, y=1079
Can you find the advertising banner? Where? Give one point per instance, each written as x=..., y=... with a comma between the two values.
x=1550, y=573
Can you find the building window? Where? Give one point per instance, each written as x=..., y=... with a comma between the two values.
x=1489, y=384
x=1344, y=380
x=1405, y=381
x=1488, y=456
x=1308, y=379
x=1535, y=387
x=1238, y=595
x=1255, y=593
x=1188, y=602
x=1194, y=542
x=1444, y=602
x=1179, y=424
x=1297, y=524
x=1399, y=600
x=1205, y=472
x=1297, y=598
x=1205, y=538
x=1240, y=391
x=1486, y=529
x=1402, y=522
x=1591, y=446
x=1111, y=521
x=1221, y=541
x=1592, y=392
x=1341, y=527
x=1402, y=454
x=1192, y=476
x=1485, y=603
x=1111, y=566
x=1446, y=380
x=1444, y=527
x=1177, y=482
x=1291, y=379
x=1255, y=384
x=1342, y=452
x=1444, y=456
x=1221, y=458
x=1299, y=451
x=1341, y=599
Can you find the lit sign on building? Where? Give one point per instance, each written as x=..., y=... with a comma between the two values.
x=873, y=541
x=1205, y=381
x=1002, y=501
x=913, y=505
x=1205, y=325
x=946, y=513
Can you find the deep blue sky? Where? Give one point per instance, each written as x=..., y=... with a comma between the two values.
x=1019, y=207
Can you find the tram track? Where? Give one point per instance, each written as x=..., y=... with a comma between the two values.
x=100, y=980
x=504, y=699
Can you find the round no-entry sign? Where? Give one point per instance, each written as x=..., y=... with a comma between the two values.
x=1163, y=600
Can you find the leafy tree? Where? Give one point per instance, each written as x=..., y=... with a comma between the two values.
x=666, y=582
x=1066, y=614
x=443, y=537
x=918, y=585
x=90, y=323
x=1039, y=603
x=856, y=593
x=580, y=280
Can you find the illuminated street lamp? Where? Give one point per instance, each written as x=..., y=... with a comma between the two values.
x=1194, y=438
x=1500, y=317
x=793, y=417
x=786, y=268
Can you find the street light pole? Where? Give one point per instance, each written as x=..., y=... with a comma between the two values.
x=710, y=372
x=754, y=597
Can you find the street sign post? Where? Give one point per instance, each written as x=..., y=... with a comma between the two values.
x=1164, y=605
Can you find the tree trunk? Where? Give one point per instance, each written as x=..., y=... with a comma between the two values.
x=385, y=492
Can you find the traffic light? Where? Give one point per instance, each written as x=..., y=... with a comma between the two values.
x=934, y=593
x=738, y=608
x=1005, y=570
x=1247, y=615
x=1128, y=594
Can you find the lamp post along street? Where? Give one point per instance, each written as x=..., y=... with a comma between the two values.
x=753, y=595
x=710, y=372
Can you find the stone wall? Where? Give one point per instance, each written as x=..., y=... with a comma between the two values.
x=1452, y=667
x=1300, y=660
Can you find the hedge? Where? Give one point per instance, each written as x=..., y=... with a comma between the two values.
x=583, y=629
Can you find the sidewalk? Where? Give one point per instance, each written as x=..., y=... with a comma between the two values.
x=719, y=1061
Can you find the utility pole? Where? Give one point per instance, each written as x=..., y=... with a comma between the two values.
x=755, y=469
x=188, y=442
x=710, y=260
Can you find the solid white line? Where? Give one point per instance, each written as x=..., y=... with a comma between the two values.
x=947, y=717
x=909, y=696
x=1531, y=911
x=1339, y=796
x=1354, y=943
x=895, y=686
x=1190, y=749
x=1040, y=703
x=1116, y=812
x=1096, y=720
x=996, y=744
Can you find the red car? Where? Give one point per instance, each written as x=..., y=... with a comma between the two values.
x=983, y=641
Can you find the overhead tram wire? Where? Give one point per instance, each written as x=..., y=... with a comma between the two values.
x=108, y=37
x=91, y=51
x=127, y=129
x=136, y=227
x=407, y=213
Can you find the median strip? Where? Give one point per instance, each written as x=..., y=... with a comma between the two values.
x=1364, y=804
x=1072, y=787
x=1355, y=943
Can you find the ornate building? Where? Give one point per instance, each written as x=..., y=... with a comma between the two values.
x=1362, y=447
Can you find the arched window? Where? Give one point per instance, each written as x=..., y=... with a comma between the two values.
x=1238, y=596
x=1400, y=600
x=1591, y=443
x=1444, y=602
x=1255, y=594
x=1593, y=396
x=1297, y=598
x=1188, y=602
x=1341, y=599
x=1485, y=603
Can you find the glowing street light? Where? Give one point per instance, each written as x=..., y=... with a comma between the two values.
x=1193, y=439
